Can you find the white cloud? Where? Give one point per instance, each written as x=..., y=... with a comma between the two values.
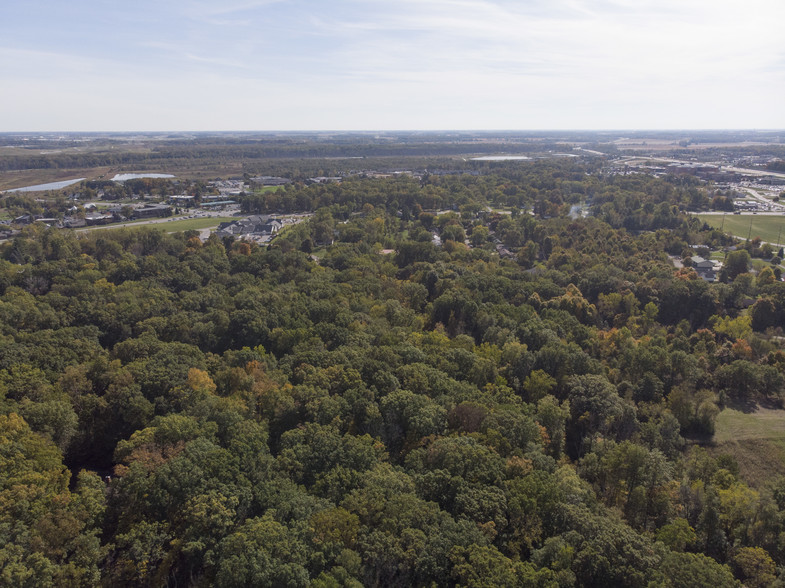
x=407, y=64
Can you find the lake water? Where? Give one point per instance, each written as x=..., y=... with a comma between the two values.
x=124, y=177
x=49, y=186
x=500, y=158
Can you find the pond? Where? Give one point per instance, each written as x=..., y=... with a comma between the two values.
x=124, y=177
x=49, y=186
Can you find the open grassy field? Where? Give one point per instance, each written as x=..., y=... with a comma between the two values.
x=763, y=423
x=174, y=226
x=767, y=227
x=198, y=170
x=195, y=224
x=755, y=439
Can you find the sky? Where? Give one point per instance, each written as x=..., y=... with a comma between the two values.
x=204, y=65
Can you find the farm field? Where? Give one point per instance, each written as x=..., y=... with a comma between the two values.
x=10, y=180
x=767, y=227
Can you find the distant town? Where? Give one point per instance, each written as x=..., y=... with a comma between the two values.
x=738, y=173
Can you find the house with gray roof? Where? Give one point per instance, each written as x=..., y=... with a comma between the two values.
x=252, y=226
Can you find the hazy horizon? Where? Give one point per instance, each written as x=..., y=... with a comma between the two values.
x=641, y=133
x=412, y=65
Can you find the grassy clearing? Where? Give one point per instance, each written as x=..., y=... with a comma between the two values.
x=759, y=264
x=195, y=224
x=760, y=460
x=175, y=226
x=755, y=439
x=764, y=423
x=767, y=227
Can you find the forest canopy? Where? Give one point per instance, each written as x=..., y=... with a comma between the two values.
x=528, y=400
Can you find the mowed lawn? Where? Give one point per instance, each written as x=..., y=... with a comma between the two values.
x=767, y=227
x=764, y=423
x=755, y=439
x=195, y=224
x=174, y=226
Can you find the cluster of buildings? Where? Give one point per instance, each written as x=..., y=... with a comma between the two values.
x=208, y=201
x=752, y=206
x=228, y=187
x=95, y=216
x=705, y=171
x=223, y=193
x=706, y=268
x=259, y=228
x=264, y=181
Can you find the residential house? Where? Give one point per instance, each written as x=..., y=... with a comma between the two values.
x=705, y=268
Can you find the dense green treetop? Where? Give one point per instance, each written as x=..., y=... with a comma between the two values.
x=522, y=404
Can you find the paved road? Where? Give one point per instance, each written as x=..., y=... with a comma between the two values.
x=743, y=213
x=740, y=170
x=774, y=205
x=753, y=172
